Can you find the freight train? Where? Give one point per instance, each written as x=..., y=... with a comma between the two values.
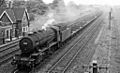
x=37, y=46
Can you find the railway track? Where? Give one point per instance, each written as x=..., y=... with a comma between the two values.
x=82, y=57
x=79, y=33
x=88, y=22
x=7, y=51
x=16, y=71
x=63, y=63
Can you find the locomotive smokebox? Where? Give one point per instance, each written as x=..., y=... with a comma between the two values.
x=26, y=44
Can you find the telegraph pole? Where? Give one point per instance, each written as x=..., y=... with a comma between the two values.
x=109, y=52
x=110, y=17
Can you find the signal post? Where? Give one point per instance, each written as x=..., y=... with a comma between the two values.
x=95, y=67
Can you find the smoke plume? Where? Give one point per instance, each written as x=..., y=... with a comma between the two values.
x=58, y=13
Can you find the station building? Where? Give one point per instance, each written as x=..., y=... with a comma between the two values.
x=14, y=23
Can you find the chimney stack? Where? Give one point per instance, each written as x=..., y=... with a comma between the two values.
x=9, y=3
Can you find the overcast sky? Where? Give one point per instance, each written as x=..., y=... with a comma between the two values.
x=100, y=2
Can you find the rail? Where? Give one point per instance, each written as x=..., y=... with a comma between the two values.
x=7, y=50
x=66, y=59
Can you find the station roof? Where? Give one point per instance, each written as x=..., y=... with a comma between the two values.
x=13, y=13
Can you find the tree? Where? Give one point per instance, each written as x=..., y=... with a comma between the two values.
x=2, y=3
x=18, y=3
x=37, y=6
x=58, y=5
x=33, y=6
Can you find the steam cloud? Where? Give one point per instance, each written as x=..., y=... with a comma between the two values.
x=61, y=14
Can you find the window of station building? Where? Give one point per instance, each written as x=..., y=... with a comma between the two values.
x=13, y=32
x=23, y=29
x=7, y=33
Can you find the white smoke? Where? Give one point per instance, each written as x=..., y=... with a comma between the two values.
x=48, y=1
x=49, y=22
x=62, y=13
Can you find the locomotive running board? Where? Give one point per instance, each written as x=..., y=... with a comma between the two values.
x=46, y=48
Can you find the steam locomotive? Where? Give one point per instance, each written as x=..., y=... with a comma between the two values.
x=35, y=47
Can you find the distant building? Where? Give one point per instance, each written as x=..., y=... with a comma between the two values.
x=14, y=22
